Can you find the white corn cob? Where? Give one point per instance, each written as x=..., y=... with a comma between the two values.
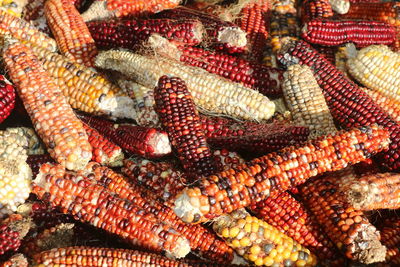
x=28, y=139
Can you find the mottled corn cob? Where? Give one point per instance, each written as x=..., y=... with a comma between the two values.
x=361, y=33
x=74, y=194
x=314, y=9
x=137, y=140
x=276, y=172
x=70, y=31
x=306, y=101
x=14, y=7
x=27, y=139
x=7, y=98
x=181, y=121
x=52, y=117
x=347, y=227
x=340, y=6
x=17, y=260
x=349, y=105
x=209, y=92
x=261, y=243
x=283, y=25
x=12, y=231
x=34, y=13
x=390, y=105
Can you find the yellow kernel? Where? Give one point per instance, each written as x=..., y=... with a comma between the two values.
x=255, y=249
x=280, y=249
x=235, y=243
x=252, y=257
x=273, y=253
x=244, y=242
x=301, y=263
x=249, y=219
x=241, y=223
x=254, y=227
x=247, y=228
x=294, y=256
x=286, y=254
x=259, y=262
x=278, y=258
x=234, y=232
x=225, y=232
x=268, y=261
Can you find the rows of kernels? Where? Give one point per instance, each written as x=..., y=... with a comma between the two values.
x=261, y=243
x=15, y=260
x=341, y=56
x=327, y=51
x=7, y=98
x=14, y=7
x=27, y=138
x=283, y=25
x=313, y=9
x=284, y=7
x=124, y=8
x=276, y=172
x=12, y=145
x=52, y=117
x=390, y=105
x=35, y=161
x=209, y=92
x=34, y=13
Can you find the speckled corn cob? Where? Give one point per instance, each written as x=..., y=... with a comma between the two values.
x=34, y=13
x=306, y=101
x=276, y=172
x=7, y=98
x=52, y=117
x=28, y=139
x=341, y=57
x=70, y=31
x=312, y=9
x=283, y=25
x=390, y=105
x=261, y=243
x=347, y=227
x=17, y=260
x=340, y=6
x=74, y=194
x=12, y=231
x=209, y=92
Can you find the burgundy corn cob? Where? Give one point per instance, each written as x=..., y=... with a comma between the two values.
x=7, y=98
x=350, y=106
x=314, y=9
x=33, y=12
x=143, y=141
x=44, y=216
x=327, y=51
x=35, y=161
x=361, y=33
x=180, y=119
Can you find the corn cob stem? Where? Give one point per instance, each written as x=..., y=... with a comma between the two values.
x=7, y=98
x=276, y=172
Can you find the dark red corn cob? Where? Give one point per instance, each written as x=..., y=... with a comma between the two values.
x=315, y=9
x=350, y=106
x=12, y=231
x=34, y=13
x=180, y=119
x=7, y=98
x=44, y=216
x=327, y=51
x=35, y=161
x=137, y=140
x=361, y=33
x=132, y=33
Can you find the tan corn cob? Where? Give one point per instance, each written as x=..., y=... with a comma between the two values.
x=306, y=101
x=28, y=139
x=210, y=92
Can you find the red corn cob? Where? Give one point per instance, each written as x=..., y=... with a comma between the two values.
x=143, y=141
x=327, y=51
x=74, y=194
x=180, y=119
x=17, y=260
x=7, y=98
x=276, y=172
x=314, y=9
x=350, y=106
x=44, y=216
x=361, y=33
x=12, y=231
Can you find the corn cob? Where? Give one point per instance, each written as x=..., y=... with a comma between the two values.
x=391, y=239
x=284, y=7
x=209, y=92
x=221, y=35
x=7, y=98
x=361, y=33
x=283, y=25
x=51, y=115
x=314, y=9
x=390, y=105
x=341, y=57
x=276, y=172
x=261, y=243
x=74, y=194
x=27, y=139
x=44, y=216
x=349, y=105
x=340, y=6
x=327, y=51
x=386, y=12
x=142, y=141
x=347, y=227
x=34, y=13
x=70, y=31
x=14, y=7
x=17, y=260
x=35, y=161
x=306, y=101
x=12, y=231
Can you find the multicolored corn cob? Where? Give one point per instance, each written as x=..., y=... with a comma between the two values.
x=26, y=139
x=283, y=25
x=34, y=13
x=341, y=56
x=12, y=231
x=306, y=101
x=349, y=105
x=181, y=121
x=52, y=117
x=361, y=33
x=7, y=98
x=35, y=161
x=284, y=7
x=347, y=227
x=340, y=6
x=210, y=92
x=17, y=260
x=74, y=194
x=261, y=243
x=137, y=140
x=14, y=7
x=314, y=9
x=276, y=172
x=70, y=31
x=390, y=105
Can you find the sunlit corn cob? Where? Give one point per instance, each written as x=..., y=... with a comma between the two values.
x=28, y=140
x=290, y=216
x=12, y=231
x=306, y=101
x=70, y=31
x=349, y=105
x=276, y=172
x=313, y=9
x=7, y=98
x=261, y=243
x=347, y=227
x=34, y=13
x=142, y=141
x=14, y=7
x=52, y=117
x=336, y=32
x=390, y=105
x=17, y=260
x=283, y=25
x=74, y=194
x=340, y=6
x=180, y=119
x=209, y=92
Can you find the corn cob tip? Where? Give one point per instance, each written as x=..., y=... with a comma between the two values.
x=17, y=260
x=118, y=107
x=160, y=142
x=185, y=209
x=340, y=6
x=233, y=36
x=97, y=11
x=180, y=250
x=367, y=247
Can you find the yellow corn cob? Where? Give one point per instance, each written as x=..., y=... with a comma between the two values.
x=28, y=139
x=378, y=68
x=210, y=92
x=85, y=89
x=306, y=101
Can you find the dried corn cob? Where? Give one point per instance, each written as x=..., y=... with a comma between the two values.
x=261, y=243
x=341, y=57
x=283, y=25
x=349, y=105
x=346, y=226
x=51, y=115
x=74, y=194
x=327, y=51
x=142, y=141
x=7, y=98
x=386, y=12
x=284, y=7
x=314, y=9
x=306, y=101
x=181, y=121
x=276, y=172
x=17, y=260
x=391, y=239
x=28, y=140
x=34, y=13
x=12, y=231
x=35, y=161
x=14, y=7
x=70, y=31
x=209, y=92
x=389, y=105
x=340, y=6
x=44, y=216
x=361, y=33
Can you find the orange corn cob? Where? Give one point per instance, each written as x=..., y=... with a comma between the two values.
x=390, y=237
x=71, y=33
x=276, y=172
x=74, y=194
x=52, y=117
x=390, y=105
x=17, y=260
